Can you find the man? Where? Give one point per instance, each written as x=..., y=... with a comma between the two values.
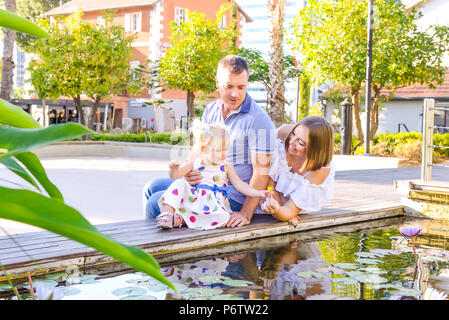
x=252, y=141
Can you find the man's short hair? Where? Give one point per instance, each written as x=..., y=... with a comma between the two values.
x=233, y=63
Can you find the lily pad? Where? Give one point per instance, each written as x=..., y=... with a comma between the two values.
x=157, y=287
x=201, y=293
x=368, y=261
x=179, y=286
x=237, y=283
x=370, y=278
x=226, y=296
x=354, y=273
x=309, y=274
x=5, y=287
x=345, y=280
x=385, y=252
x=407, y=292
x=144, y=297
x=369, y=255
x=130, y=291
x=213, y=279
x=344, y=265
x=434, y=259
x=70, y=291
x=373, y=270
x=57, y=276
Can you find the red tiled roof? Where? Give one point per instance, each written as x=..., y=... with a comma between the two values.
x=96, y=5
x=420, y=91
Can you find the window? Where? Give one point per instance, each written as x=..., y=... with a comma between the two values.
x=180, y=15
x=133, y=22
x=101, y=22
x=133, y=66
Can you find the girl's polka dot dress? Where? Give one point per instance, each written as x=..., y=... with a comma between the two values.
x=201, y=209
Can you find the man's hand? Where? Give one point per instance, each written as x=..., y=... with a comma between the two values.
x=237, y=219
x=193, y=177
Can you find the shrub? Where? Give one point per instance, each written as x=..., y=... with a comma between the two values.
x=173, y=138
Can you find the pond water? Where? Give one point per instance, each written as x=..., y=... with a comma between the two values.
x=377, y=263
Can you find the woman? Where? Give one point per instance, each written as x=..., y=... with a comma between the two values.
x=301, y=174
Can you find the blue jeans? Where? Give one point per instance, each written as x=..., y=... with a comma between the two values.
x=155, y=190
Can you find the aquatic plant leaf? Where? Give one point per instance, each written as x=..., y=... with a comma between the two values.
x=368, y=261
x=373, y=270
x=354, y=273
x=226, y=296
x=56, y=276
x=385, y=251
x=200, y=293
x=179, y=286
x=130, y=291
x=370, y=278
x=434, y=259
x=5, y=287
x=156, y=287
x=369, y=255
x=237, y=283
x=309, y=274
x=344, y=265
x=144, y=297
x=71, y=291
x=53, y=215
x=213, y=279
x=345, y=280
x=406, y=292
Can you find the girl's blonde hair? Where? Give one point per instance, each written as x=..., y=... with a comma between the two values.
x=320, y=142
x=215, y=134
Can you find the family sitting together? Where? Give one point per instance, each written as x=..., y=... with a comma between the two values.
x=241, y=165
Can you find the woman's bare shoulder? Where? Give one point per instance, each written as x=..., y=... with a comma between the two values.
x=318, y=176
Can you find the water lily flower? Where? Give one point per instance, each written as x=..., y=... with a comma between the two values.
x=48, y=292
x=432, y=294
x=411, y=231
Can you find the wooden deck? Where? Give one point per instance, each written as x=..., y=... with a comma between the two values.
x=366, y=198
x=363, y=198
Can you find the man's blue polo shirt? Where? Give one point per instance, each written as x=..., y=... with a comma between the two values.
x=251, y=130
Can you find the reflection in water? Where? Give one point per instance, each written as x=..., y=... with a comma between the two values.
x=373, y=264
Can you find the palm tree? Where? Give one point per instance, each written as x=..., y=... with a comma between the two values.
x=276, y=95
x=8, y=61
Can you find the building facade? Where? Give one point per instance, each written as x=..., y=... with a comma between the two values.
x=149, y=19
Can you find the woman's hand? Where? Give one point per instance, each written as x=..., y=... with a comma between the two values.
x=270, y=205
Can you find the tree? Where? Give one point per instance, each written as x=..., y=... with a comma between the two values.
x=83, y=59
x=331, y=37
x=8, y=54
x=259, y=67
x=33, y=10
x=197, y=45
x=276, y=93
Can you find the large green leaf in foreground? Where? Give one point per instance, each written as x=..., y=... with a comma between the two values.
x=53, y=215
x=12, y=21
x=18, y=140
x=15, y=116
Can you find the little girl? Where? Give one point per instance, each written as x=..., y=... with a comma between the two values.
x=203, y=206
